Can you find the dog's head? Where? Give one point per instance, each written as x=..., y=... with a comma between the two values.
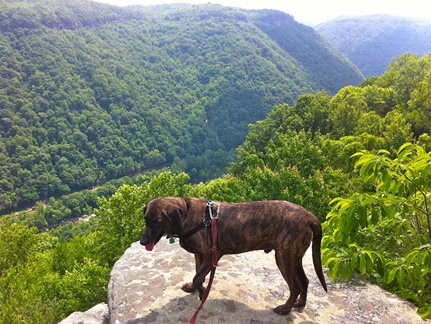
x=163, y=216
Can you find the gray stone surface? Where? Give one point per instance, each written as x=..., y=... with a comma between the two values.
x=95, y=315
x=145, y=288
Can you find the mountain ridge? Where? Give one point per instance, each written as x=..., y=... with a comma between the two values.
x=372, y=41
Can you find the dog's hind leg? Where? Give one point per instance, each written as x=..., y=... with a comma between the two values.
x=289, y=263
x=303, y=283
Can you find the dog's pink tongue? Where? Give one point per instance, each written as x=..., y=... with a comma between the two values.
x=149, y=247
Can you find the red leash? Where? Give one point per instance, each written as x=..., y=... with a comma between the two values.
x=214, y=260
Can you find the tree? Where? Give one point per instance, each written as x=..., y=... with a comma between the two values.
x=292, y=166
x=18, y=243
x=370, y=123
x=347, y=106
x=397, y=130
x=310, y=113
x=385, y=233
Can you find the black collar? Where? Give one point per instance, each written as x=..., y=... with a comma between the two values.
x=206, y=222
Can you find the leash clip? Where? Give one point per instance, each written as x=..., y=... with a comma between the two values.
x=210, y=216
x=210, y=211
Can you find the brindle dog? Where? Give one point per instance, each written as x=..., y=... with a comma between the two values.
x=281, y=226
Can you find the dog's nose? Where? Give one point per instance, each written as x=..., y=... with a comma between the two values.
x=144, y=241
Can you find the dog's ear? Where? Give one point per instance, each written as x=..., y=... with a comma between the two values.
x=184, y=208
x=176, y=218
x=188, y=202
x=179, y=214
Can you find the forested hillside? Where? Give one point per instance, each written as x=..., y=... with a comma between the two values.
x=360, y=160
x=91, y=92
x=371, y=42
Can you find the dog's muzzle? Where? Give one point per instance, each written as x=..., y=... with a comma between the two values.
x=146, y=242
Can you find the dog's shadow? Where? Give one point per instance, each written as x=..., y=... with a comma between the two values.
x=182, y=309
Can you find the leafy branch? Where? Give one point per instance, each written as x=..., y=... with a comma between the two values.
x=385, y=234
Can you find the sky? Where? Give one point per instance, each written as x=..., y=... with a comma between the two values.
x=311, y=11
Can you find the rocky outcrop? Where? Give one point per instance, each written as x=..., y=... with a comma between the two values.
x=145, y=288
x=95, y=315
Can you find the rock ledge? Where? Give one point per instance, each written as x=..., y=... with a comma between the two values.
x=145, y=288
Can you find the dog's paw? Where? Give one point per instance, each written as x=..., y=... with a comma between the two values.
x=188, y=287
x=282, y=310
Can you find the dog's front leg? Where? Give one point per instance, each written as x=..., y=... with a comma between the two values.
x=189, y=287
x=199, y=278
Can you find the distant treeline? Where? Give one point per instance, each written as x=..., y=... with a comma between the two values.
x=53, y=212
x=371, y=42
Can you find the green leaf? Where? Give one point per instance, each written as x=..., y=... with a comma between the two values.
x=361, y=153
x=329, y=261
x=363, y=219
x=354, y=262
x=368, y=158
x=386, y=211
x=337, y=199
x=392, y=274
x=402, y=148
x=426, y=171
x=401, y=277
x=383, y=152
x=385, y=176
x=425, y=312
x=334, y=271
x=347, y=271
x=366, y=168
x=362, y=264
x=374, y=217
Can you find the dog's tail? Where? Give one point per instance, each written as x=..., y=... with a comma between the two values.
x=317, y=260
